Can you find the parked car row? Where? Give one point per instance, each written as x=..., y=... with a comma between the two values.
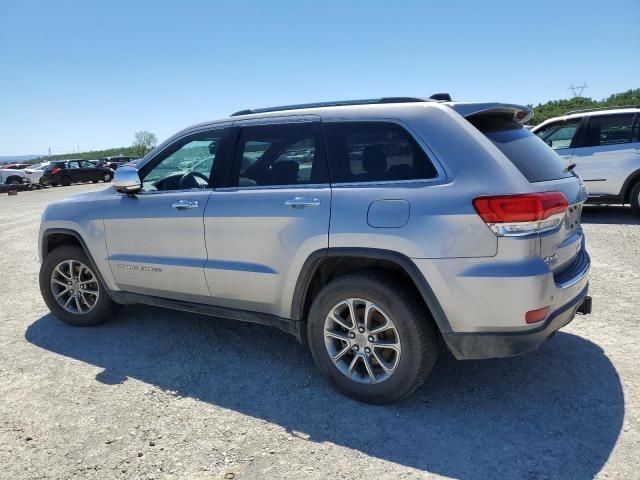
x=114, y=162
x=63, y=172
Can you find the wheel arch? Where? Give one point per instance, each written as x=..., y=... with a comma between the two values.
x=628, y=185
x=55, y=237
x=325, y=264
x=14, y=177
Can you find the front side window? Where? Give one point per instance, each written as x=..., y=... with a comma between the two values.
x=187, y=165
x=559, y=135
x=608, y=130
x=279, y=154
x=375, y=151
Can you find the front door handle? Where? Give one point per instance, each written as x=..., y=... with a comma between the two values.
x=302, y=202
x=185, y=204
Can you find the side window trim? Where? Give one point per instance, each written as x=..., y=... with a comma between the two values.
x=279, y=120
x=442, y=173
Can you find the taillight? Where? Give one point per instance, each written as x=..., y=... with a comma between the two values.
x=56, y=170
x=517, y=215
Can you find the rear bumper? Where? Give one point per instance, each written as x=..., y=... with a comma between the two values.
x=480, y=345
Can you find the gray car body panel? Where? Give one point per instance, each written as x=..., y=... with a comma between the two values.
x=244, y=249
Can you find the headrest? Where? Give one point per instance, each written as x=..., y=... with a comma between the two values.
x=373, y=159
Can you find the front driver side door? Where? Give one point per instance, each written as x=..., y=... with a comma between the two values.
x=155, y=239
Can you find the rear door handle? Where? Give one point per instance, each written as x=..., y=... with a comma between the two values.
x=302, y=202
x=185, y=204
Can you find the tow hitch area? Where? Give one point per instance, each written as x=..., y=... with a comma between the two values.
x=585, y=306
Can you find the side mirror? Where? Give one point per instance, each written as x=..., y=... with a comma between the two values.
x=127, y=180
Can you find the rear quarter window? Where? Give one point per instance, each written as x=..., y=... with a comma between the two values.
x=375, y=152
x=535, y=160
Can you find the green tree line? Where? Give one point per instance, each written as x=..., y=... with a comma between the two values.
x=556, y=108
x=92, y=155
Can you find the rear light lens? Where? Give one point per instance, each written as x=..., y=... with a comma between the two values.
x=518, y=215
x=535, y=316
x=56, y=170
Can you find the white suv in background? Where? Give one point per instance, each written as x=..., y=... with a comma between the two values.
x=604, y=145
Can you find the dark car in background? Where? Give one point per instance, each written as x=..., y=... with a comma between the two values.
x=115, y=162
x=66, y=172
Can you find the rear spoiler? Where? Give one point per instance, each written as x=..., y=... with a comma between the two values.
x=519, y=113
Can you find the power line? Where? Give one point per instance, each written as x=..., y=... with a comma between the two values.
x=577, y=89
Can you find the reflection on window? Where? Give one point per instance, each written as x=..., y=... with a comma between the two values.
x=188, y=167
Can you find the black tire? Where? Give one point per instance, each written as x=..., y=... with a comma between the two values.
x=635, y=199
x=14, y=181
x=106, y=178
x=94, y=181
x=414, y=324
x=66, y=181
x=104, y=308
x=53, y=184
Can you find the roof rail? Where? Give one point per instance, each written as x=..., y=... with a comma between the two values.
x=340, y=103
x=595, y=109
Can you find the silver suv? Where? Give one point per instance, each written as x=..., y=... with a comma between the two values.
x=377, y=231
x=604, y=145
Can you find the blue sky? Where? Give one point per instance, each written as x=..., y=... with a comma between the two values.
x=91, y=73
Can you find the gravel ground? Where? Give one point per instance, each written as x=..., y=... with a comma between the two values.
x=162, y=394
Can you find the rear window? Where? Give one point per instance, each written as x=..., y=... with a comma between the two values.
x=536, y=161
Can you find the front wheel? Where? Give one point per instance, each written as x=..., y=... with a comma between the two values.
x=374, y=340
x=106, y=177
x=72, y=290
x=635, y=199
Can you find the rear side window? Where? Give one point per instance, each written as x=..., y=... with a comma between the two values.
x=530, y=155
x=373, y=152
x=280, y=154
x=608, y=130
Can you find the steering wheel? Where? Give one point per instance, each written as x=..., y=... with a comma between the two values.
x=193, y=180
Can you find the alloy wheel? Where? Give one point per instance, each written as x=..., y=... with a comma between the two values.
x=75, y=287
x=362, y=341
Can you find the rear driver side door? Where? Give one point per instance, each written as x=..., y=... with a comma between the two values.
x=274, y=213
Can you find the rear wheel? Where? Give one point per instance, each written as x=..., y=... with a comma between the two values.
x=371, y=338
x=66, y=181
x=106, y=177
x=635, y=199
x=72, y=290
x=14, y=181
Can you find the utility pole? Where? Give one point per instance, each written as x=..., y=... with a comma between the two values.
x=577, y=89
